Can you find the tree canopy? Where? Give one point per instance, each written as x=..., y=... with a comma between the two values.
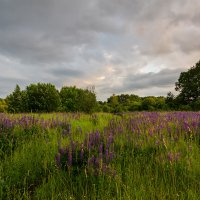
x=77, y=100
x=189, y=85
x=42, y=97
x=15, y=101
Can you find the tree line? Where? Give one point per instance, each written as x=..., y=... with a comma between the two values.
x=44, y=97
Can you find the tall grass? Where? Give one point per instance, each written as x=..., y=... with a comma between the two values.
x=101, y=156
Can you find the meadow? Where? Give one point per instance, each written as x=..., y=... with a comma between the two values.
x=140, y=155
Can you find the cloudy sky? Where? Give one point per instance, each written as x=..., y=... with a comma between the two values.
x=119, y=46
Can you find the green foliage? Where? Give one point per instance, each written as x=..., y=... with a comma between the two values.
x=125, y=102
x=189, y=85
x=135, y=106
x=148, y=103
x=42, y=97
x=171, y=101
x=70, y=99
x=185, y=107
x=7, y=139
x=15, y=101
x=106, y=108
x=77, y=100
x=160, y=103
x=3, y=106
x=98, y=107
x=123, y=98
x=113, y=100
x=196, y=105
x=87, y=101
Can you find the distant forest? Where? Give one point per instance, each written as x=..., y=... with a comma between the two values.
x=44, y=97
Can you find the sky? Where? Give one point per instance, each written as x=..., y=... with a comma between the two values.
x=119, y=46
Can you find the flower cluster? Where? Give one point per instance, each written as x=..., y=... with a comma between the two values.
x=94, y=155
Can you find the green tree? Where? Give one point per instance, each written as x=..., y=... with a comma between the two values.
x=149, y=103
x=113, y=103
x=113, y=100
x=160, y=103
x=196, y=105
x=3, y=106
x=77, y=100
x=15, y=101
x=70, y=99
x=106, y=108
x=134, y=98
x=124, y=99
x=42, y=97
x=87, y=101
x=24, y=105
x=135, y=106
x=135, y=103
x=171, y=101
x=189, y=85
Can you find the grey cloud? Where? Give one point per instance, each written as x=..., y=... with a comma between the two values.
x=132, y=82
x=45, y=31
x=52, y=40
x=164, y=78
x=63, y=72
x=188, y=39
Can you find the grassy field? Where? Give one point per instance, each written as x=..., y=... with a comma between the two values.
x=144, y=155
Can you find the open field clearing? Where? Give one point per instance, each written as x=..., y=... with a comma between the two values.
x=141, y=155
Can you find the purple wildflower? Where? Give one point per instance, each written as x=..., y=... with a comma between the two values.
x=150, y=133
x=101, y=148
x=61, y=151
x=69, y=161
x=104, y=169
x=68, y=128
x=177, y=156
x=57, y=158
x=82, y=154
x=170, y=156
x=111, y=156
x=97, y=162
x=64, y=132
x=91, y=161
x=157, y=142
x=107, y=155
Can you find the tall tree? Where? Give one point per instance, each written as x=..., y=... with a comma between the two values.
x=70, y=98
x=149, y=103
x=77, y=100
x=15, y=101
x=189, y=85
x=171, y=101
x=87, y=101
x=42, y=97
